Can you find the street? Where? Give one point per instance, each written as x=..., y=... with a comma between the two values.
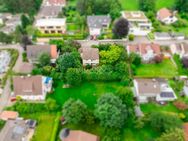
x=5, y=97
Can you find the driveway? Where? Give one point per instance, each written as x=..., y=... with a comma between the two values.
x=5, y=97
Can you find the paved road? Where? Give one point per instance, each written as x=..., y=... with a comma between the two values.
x=5, y=97
x=88, y=43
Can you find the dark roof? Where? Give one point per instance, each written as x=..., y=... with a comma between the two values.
x=98, y=21
x=167, y=94
x=31, y=123
x=49, y=11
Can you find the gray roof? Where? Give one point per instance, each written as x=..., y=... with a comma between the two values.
x=14, y=130
x=162, y=34
x=49, y=11
x=88, y=53
x=34, y=51
x=167, y=94
x=98, y=21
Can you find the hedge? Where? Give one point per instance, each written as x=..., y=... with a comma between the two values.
x=55, y=128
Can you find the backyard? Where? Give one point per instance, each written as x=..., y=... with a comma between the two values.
x=134, y=4
x=88, y=92
x=165, y=69
x=44, y=127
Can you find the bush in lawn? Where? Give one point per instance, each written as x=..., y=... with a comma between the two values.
x=74, y=111
x=172, y=135
x=24, y=57
x=110, y=111
x=112, y=135
x=51, y=105
x=74, y=76
x=162, y=121
x=180, y=23
x=185, y=62
x=131, y=37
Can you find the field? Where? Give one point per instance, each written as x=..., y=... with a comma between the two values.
x=45, y=125
x=133, y=4
x=166, y=69
x=88, y=92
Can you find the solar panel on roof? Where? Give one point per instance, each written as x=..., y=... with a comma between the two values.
x=167, y=94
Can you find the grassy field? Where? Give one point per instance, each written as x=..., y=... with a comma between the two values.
x=88, y=92
x=165, y=69
x=148, y=108
x=133, y=4
x=45, y=125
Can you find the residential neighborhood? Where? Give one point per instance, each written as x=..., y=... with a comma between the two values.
x=93, y=70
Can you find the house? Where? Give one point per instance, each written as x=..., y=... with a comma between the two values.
x=168, y=36
x=26, y=67
x=162, y=36
x=16, y=130
x=146, y=51
x=180, y=49
x=185, y=127
x=9, y=115
x=153, y=89
x=34, y=51
x=32, y=87
x=10, y=23
x=51, y=26
x=77, y=135
x=139, y=24
x=97, y=24
x=166, y=16
x=89, y=55
x=48, y=12
x=61, y=3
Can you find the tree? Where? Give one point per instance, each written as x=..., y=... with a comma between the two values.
x=25, y=41
x=110, y=56
x=121, y=28
x=127, y=96
x=4, y=38
x=185, y=62
x=181, y=6
x=44, y=59
x=147, y=5
x=82, y=6
x=158, y=58
x=74, y=111
x=135, y=59
x=74, y=76
x=51, y=104
x=110, y=111
x=25, y=21
x=68, y=60
x=172, y=135
x=163, y=121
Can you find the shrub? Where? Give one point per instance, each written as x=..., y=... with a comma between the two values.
x=131, y=37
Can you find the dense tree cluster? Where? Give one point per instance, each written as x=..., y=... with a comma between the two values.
x=23, y=6
x=99, y=7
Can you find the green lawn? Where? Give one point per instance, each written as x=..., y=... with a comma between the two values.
x=134, y=4
x=144, y=134
x=165, y=69
x=44, y=127
x=88, y=92
x=150, y=107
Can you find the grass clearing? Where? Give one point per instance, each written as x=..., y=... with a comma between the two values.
x=44, y=127
x=165, y=69
x=134, y=4
x=88, y=92
x=150, y=107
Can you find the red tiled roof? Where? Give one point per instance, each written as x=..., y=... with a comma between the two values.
x=5, y=115
x=81, y=136
x=164, y=13
x=54, y=52
x=143, y=48
x=186, y=131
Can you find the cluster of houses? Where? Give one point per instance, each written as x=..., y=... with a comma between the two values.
x=16, y=128
x=47, y=21
x=9, y=22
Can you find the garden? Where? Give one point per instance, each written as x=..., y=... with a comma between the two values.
x=165, y=69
